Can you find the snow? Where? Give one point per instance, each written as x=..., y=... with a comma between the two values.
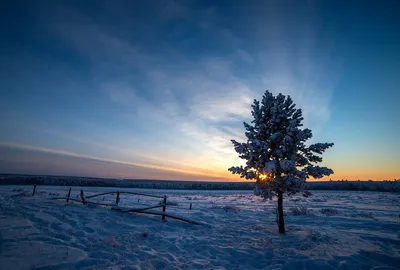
x=332, y=230
x=287, y=165
x=270, y=167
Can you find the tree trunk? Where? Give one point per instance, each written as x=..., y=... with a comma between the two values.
x=281, y=221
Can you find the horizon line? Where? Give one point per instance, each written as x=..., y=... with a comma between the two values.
x=177, y=180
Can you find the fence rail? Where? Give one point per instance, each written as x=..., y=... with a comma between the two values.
x=125, y=192
x=115, y=207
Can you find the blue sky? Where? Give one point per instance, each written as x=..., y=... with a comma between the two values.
x=156, y=89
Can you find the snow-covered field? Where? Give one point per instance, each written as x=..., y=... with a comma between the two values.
x=330, y=230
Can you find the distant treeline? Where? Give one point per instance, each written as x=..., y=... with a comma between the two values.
x=386, y=185
x=13, y=179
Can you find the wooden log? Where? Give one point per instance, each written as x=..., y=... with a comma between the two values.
x=124, y=192
x=34, y=189
x=101, y=204
x=164, y=206
x=69, y=194
x=135, y=210
x=117, y=199
x=168, y=215
x=62, y=198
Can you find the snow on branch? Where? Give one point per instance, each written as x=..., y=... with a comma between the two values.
x=319, y=148
x=275, y=151
x=318, y=172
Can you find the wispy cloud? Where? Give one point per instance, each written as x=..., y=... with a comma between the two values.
x=199, y=173
x=192, y=101
x=296, y=61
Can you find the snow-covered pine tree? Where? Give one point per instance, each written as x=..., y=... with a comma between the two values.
x=276, y=153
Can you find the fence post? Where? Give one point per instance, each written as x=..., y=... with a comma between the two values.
x=83, y=197
x=34, y=189
x=164, y=206
x=117, y=200
x=69, y=194
x=190, y=206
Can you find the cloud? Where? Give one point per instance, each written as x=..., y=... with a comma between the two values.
x=245, y=56
x=297, y=61
x=216, y=67
x=193, y=103
x=177, y=171
x=233, y=105
x=132, y=153
x=121, y=93
x=28, y=161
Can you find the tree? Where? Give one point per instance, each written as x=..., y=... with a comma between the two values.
x=276, y=153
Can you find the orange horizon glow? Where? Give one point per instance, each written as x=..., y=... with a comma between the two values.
x=71, y=163
x=333, y=178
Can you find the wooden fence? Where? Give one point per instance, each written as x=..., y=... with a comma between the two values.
x=115, y=207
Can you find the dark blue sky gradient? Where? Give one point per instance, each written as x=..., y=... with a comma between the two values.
x=162, y=86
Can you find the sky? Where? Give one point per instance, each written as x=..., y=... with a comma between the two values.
x=157, y=89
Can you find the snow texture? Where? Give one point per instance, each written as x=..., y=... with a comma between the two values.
x=329, y=230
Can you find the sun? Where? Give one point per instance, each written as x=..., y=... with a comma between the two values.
x=263, y=176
